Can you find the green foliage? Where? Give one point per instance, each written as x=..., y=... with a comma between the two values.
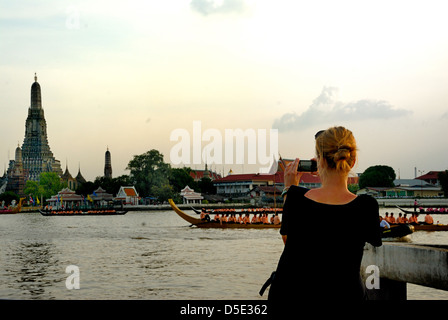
x=49, y=184
x=33, y=188
x=112, y=185
x=443, y=179
x=206, y=186
x=149, y=171
x=162, y=193
x=180, y=177
x=377, y=176
x=151, y=176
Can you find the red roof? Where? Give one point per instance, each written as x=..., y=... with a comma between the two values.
x=130, y=192
x=279, y=178
x=199, y=174
x=306, y=178
x=429, y=176
x=245, y=177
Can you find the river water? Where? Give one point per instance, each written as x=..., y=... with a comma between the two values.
x=145, y=255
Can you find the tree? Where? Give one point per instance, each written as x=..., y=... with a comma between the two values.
x=49, y=184
x=149, y=170
x=86, y=188
x=206, y=186
x=112, y=185
x=162, y=193
x=33, y=188
x=377, y=176
x=443, y=179
x=180, y=178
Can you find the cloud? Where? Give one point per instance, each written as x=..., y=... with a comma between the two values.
x=207, y=7
x=327, y=109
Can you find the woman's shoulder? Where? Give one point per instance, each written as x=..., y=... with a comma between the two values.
x=367, y=200
x=296, y=190
x=366, y=197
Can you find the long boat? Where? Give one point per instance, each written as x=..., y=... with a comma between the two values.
x=424, y=211
x=225, y=225
x=423, y=226
x=430, y=227
x=13, y=210
x=90, y=212
x=242, y=211
x=397, y=231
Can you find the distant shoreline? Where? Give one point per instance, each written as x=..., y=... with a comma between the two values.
x=384, y=203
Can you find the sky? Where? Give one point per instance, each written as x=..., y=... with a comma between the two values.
x=124, y=75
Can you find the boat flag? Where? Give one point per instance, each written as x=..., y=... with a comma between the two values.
x=37, y=199
x=31, y=200
x=89, y=198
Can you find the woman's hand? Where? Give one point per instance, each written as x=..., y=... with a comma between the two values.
x=291, y=176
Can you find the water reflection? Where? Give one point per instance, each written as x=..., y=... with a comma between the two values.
x=30, y=269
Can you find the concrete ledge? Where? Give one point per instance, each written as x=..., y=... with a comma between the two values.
x=425, y=265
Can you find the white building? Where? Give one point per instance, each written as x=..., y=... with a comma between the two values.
x=189, y=196
x=128, y=195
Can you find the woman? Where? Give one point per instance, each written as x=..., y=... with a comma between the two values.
x=322, y=261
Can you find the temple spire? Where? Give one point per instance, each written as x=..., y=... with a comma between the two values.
x=108, y=165
x=36, y=99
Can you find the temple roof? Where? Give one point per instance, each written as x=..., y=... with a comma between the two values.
x=79, y=177
x=66, y=174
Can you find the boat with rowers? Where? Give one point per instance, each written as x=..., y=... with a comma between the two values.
x=89, y=212
x=223, y=225
x=397, y=231
x=430, y=227
x=427, y=210
x=422, y=226
x=242, y=211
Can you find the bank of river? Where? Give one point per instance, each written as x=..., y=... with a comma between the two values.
x=383, y=202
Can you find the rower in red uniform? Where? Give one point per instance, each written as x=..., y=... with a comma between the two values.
x=429, y=219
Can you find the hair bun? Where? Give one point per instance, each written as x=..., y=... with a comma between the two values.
x=342, y=154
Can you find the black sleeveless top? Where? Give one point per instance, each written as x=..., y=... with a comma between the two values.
x=322, y=257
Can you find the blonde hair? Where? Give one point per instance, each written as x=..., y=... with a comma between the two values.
x=337, y=146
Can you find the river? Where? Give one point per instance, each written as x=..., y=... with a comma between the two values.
x=145, y=255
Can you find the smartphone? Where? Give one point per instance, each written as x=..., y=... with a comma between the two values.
x=307, y=166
